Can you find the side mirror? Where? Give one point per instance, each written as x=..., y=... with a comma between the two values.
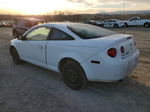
x=22, y=38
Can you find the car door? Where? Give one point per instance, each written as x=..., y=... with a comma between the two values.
x=112, y=22
x=33, y=48
x=109, y=23
x=139, y=22
x=132, y=21
x=106, y=23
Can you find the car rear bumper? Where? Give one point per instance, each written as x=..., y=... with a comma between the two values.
x=108, y=72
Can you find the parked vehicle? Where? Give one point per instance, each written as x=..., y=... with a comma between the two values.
x=111, y=23
x=90, y=22
x=137, y=21
x=2, y=24
x=8, y=24
x=22, y=25
x=79, y=51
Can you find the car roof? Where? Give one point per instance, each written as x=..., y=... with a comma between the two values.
x=60, y=24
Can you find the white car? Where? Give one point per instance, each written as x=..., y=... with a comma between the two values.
x=114, y=23
x=2, y=24
x=137, y=21
x=79, y=51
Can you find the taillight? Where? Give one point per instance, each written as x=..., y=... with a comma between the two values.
x=112, y=52
x=122, y=49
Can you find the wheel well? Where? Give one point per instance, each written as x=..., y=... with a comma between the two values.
x=63, y=61
x=146, y=23
x=11, y=48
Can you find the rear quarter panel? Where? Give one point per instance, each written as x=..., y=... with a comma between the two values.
x=58, y=50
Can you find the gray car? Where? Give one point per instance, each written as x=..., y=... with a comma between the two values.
x=23, y=24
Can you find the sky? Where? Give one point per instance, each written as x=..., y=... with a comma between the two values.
x=76, y=6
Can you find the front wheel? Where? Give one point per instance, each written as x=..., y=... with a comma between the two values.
x=101, y=25
x=73, y=75
x=116, y=26
x=147, y=25
x=125, y=25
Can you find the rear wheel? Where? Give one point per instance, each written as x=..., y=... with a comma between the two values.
x=73, y=75
x=101, y=25
x=125, y=25
x=147, y=25
x=15, y=56
x=116, y=26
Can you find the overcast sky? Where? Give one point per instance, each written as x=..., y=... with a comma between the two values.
x=77, y=6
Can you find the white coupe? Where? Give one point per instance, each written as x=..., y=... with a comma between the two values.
x=80, y=52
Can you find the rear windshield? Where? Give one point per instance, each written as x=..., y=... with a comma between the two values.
x=85, y=31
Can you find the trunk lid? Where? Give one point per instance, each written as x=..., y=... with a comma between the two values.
x=122, y=40
x=104, y=43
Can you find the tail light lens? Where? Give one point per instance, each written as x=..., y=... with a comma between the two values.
x=122, y=49
x=112, y=52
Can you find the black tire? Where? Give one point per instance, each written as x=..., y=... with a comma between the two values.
x=147, y=25
x=73, y=75
x=15, y=56
x=125, y=25
x=116, y=26
x=102, y=25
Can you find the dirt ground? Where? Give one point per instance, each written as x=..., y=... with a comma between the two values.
x=28, y=88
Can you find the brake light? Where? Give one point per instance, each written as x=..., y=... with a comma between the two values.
x=122, y=49
x=112, y=52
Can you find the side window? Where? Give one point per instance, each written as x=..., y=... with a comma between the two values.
x=131, y=19
x=40, y=33
x=60, y=35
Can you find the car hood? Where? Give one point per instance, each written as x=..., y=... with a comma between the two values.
x=13, y=40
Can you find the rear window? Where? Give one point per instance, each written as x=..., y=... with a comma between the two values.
x=85, y=31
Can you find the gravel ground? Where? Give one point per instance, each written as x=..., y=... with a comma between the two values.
x=28, y=88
